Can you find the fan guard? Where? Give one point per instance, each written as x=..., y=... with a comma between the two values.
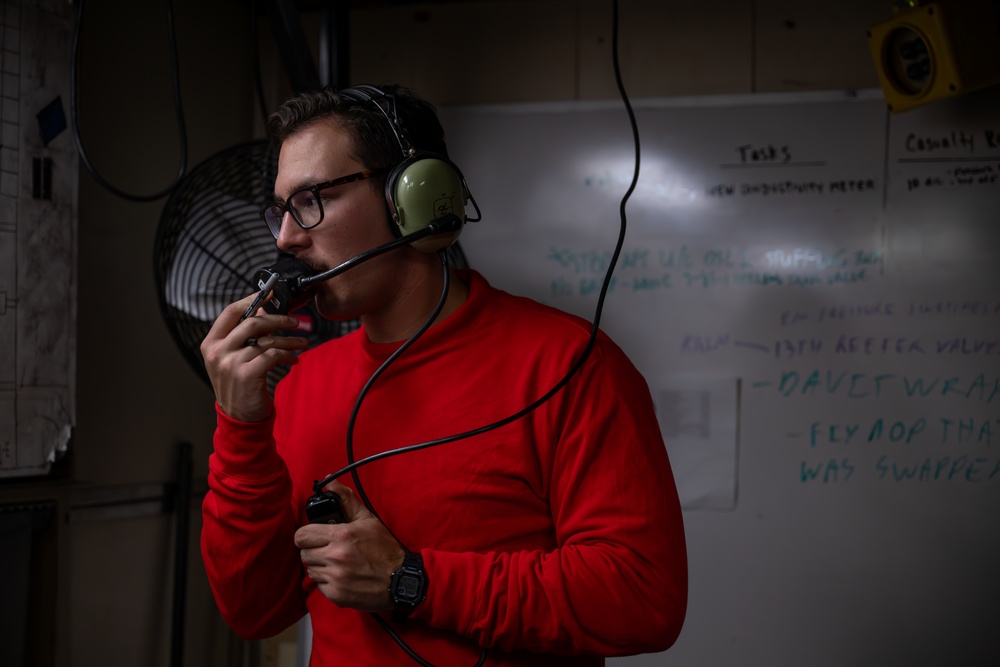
x=211, y=241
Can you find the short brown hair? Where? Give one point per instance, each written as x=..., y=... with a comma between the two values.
x=373, y=139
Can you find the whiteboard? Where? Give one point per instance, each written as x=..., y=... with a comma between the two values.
x=838, y=266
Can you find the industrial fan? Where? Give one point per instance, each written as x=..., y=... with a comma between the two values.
x=210, y=242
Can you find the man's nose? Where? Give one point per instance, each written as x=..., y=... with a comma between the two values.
x=290, y=234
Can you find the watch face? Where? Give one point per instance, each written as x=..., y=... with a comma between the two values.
x=408, y=587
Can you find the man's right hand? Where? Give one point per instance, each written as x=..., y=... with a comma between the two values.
x=239, y=371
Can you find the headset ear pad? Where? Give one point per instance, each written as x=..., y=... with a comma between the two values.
x=422, y=189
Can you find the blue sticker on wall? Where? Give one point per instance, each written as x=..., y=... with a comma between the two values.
x=51, y=120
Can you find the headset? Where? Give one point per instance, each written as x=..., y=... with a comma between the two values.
x=424, y=187
x=426, y=197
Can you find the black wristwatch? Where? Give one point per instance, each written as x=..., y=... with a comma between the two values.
x=408, y=586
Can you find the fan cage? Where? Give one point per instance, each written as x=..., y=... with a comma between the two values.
x=210, y=242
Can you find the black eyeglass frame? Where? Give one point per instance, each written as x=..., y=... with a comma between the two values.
x=280, y=209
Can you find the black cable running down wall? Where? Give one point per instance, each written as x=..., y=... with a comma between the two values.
x=178, y=110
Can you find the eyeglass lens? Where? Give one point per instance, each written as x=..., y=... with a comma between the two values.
x=306, y=205
x=306, y=208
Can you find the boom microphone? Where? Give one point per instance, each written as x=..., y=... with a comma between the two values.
x=295, y=283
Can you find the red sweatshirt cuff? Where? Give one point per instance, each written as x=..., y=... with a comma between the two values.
x=245, y=449
x=448, y=573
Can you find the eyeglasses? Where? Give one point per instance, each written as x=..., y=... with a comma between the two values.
x=306, y=206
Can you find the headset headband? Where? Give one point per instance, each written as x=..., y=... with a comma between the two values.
x=368, y=93
x=424, y=187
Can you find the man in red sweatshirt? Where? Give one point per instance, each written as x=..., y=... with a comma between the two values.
x=504, y=490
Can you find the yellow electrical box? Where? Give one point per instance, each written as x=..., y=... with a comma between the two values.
x=936, y=50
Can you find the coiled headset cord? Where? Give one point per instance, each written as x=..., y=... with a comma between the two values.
x=354, y=465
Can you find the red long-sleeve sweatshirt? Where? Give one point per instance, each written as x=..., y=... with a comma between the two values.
x=553, y=540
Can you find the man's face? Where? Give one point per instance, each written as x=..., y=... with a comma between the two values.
x=354, y=220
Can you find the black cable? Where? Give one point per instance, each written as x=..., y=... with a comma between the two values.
x=358, y=487
x=371, y=381
x=591, y=341
x=181, y=128
x=413, y=654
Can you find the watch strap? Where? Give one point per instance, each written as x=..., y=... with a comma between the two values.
x=408, y=586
